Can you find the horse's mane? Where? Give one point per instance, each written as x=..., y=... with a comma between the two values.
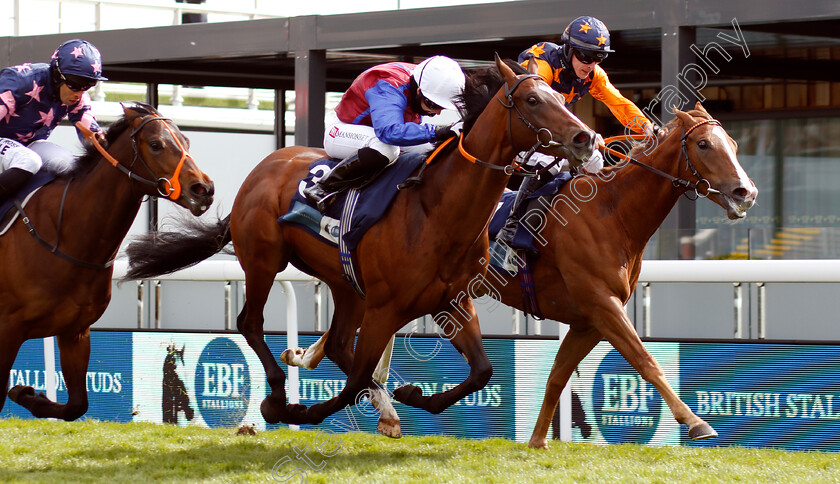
x=87, y=160
x=481, y=85
x=672, y=127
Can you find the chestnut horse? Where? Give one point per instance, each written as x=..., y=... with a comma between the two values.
x=411, y=263
x=594, y=238
x=57, y=257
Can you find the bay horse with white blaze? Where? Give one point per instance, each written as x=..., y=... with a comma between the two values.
x=411, y=263
x=594, y=237
x=63, y=288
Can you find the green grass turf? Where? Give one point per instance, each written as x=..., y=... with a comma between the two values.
x=90, y=451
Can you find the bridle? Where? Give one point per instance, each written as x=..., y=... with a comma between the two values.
x=511, y=106
x=173, y=192
x=166, y=187
x=675, y=180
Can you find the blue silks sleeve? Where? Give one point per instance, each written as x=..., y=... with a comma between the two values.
x=387, y=113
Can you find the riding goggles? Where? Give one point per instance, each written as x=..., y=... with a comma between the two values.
x=77, y=83
x=431, y=104
x=589, y=57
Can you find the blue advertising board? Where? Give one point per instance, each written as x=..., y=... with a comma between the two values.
x=108, y=380
x=754, y=394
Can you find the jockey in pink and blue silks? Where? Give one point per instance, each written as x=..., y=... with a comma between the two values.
x=34, y=98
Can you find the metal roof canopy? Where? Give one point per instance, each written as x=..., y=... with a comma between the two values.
x=318, y=53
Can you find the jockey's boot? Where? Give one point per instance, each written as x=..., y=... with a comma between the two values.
x=505, y=236
x=350, y=172
x=12, y=180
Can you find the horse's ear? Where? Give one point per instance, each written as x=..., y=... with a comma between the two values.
x=684, y=118
x=507, y=72
x=699, y=107
x=130, y=112
x=533, y=67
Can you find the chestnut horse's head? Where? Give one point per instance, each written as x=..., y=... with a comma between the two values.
x=161, y=153
x=544, y=122
x=710, y=153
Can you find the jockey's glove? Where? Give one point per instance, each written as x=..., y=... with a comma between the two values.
x=443, y=133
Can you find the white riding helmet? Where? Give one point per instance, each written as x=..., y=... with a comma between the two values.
x=440, y=79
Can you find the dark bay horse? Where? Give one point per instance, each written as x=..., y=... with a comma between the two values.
x=417, y=260
x=82, y=217
x=594, y=238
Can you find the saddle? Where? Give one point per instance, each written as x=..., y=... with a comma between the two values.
x=7, y=215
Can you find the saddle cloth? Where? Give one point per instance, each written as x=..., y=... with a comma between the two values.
x=24, y=194
x=523, y=239
x=374, y=200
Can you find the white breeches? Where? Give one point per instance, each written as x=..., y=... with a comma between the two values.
x=30, y=158
x=343, y=139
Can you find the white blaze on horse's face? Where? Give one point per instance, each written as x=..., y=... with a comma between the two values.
x=724, y=140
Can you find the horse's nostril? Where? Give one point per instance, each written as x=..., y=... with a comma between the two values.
x=202, y=190
x=581, y=139
x=741, y=192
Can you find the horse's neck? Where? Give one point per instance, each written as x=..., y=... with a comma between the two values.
x=645, y=198
x=464, y=193
x=102, y=205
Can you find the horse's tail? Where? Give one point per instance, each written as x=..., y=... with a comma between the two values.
x=158, y=253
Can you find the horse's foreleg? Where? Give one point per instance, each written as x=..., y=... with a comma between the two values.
x=616, y=326
x=575, y=346
x=7, y=359
x=74, y=351
x=308, y=358
x=250, y=324
x=463, y=331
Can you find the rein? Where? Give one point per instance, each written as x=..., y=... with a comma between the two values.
x=514, y=167
x=675, y=180
x=173, y=192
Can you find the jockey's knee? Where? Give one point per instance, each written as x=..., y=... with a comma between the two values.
x=388, y=151
x=56, y=159
x=22, y=158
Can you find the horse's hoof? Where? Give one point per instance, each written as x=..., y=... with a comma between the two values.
x=702, y=431
x=296, y=414
x=541, y=444
x=270, y=411
x=409, y=395
x=17, y=392
x=389, y=427
x=285, y=357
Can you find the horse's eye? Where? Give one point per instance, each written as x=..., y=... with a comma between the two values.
x=533, y=101
x=703, y=144
x=155, y=145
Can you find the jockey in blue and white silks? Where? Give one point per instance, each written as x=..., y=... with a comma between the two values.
x=34, y=98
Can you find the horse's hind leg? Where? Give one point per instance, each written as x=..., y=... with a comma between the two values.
x=575, y=346
x=467, y=340
x=308, y=358
x=74, y=351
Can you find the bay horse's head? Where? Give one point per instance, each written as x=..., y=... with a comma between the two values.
x=710, y=155
x=545, y=123
x=161, y=157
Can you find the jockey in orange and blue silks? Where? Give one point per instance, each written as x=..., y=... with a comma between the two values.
x=380, y=115
x=34, y=98
x=572, y=69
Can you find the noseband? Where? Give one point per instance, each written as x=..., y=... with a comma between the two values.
x=676, y=180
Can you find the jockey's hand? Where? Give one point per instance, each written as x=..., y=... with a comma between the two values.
x=457, y=127
x=599, y=141
x=595, y=162
x=100, y=137
x=443, y=133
